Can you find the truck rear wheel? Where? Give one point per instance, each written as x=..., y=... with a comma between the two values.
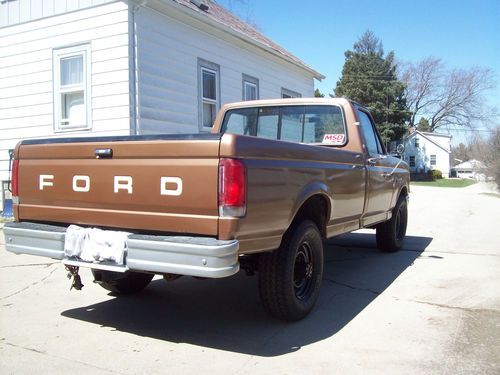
x=390, y=235
x=290, y=277
x=122, y=283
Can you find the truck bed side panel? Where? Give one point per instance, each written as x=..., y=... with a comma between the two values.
x=281, y=176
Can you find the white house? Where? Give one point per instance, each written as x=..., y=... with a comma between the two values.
x=474, y=169
x=100, y=67
x=426, y=151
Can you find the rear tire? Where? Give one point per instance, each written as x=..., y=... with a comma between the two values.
x=122, y=283
x=390, y=234
x=290, y=277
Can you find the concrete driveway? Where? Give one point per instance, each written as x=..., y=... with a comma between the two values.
x=433, y=308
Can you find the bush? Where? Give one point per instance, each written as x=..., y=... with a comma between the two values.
x=435, y=174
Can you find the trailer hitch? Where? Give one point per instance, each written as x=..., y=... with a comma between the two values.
x=73, y=273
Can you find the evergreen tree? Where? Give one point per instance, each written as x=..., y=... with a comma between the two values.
x=423, y=125
x=318, y=94
x=461, y=153
x=370, y=79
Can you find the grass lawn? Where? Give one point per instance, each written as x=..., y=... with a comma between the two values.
x=454, y=183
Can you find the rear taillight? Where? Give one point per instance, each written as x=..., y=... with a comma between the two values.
x=232, y=188
x=14, y=178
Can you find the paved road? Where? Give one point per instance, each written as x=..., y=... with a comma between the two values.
x=433, y=308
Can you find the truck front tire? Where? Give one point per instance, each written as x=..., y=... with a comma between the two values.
x=122, y=283
x=290, y=277
x=390, y=234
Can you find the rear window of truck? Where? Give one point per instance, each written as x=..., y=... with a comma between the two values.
x=312, y=124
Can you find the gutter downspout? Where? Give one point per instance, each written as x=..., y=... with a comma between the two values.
x=133, y=69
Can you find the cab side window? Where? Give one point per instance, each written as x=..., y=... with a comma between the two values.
x=371, y=137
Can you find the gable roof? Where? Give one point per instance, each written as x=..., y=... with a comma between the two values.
x=470, y=164
x=228, y=21
x=430, y=134
x=427, y=136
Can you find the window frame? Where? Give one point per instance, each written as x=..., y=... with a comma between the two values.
x=58, y=54
x=289, y=94
x=380, y=145
x=410, y=161
x=249, y=80
x=432, y=162
x=204, y=65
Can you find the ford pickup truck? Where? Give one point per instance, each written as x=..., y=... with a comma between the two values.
x=261, y=192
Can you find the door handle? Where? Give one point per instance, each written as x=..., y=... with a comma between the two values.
x=102, y=153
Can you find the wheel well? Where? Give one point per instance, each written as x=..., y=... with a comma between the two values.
x=316, y=209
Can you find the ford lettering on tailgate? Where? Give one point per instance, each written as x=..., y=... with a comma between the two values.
x=81, y=184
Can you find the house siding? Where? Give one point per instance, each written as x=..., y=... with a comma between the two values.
x=168, y=52
x=14, y=12
x=423, y=153
x=26, y=73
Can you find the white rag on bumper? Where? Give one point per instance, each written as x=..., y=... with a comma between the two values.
x=95, y=245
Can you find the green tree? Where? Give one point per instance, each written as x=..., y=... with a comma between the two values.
x=318, y=94
x=461, y=153
x=369, y=78
x=423, y=125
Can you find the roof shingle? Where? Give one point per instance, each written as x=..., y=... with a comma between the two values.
x=222, y=16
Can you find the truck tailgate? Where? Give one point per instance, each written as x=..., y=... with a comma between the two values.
x=165, y=184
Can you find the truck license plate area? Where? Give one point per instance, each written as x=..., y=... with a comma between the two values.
x=105, y=266
x=95, y=246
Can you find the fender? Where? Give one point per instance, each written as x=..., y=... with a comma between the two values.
x=314, y=188
x=402, y=184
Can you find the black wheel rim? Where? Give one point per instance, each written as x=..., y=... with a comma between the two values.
x=303, y=271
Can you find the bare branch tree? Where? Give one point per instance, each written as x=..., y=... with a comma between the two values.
x=453, y=97
x=422, y=80
x=243, y=9
x=487, y=150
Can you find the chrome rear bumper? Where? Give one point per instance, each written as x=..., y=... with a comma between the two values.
x=182, y=255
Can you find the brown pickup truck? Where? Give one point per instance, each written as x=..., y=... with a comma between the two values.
x=261, y=192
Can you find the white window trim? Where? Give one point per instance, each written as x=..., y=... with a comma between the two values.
x=57, y=55
x=251, y=81
x=291, y=93
x=431, y=161
x=208, y=66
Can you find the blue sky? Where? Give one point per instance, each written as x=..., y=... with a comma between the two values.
x=463, y=33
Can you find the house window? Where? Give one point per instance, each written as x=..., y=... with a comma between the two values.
x=416, y=142
x=250, y=88
x=72, y=109
x=209, y=93
x=412, y=161
x=286, y=94
x=433, y=160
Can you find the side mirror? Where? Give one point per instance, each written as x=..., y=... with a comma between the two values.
x=400, y=149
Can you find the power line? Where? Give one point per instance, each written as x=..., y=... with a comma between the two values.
x=472, y=130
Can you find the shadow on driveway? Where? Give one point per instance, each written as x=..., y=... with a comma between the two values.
x=226, y=314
